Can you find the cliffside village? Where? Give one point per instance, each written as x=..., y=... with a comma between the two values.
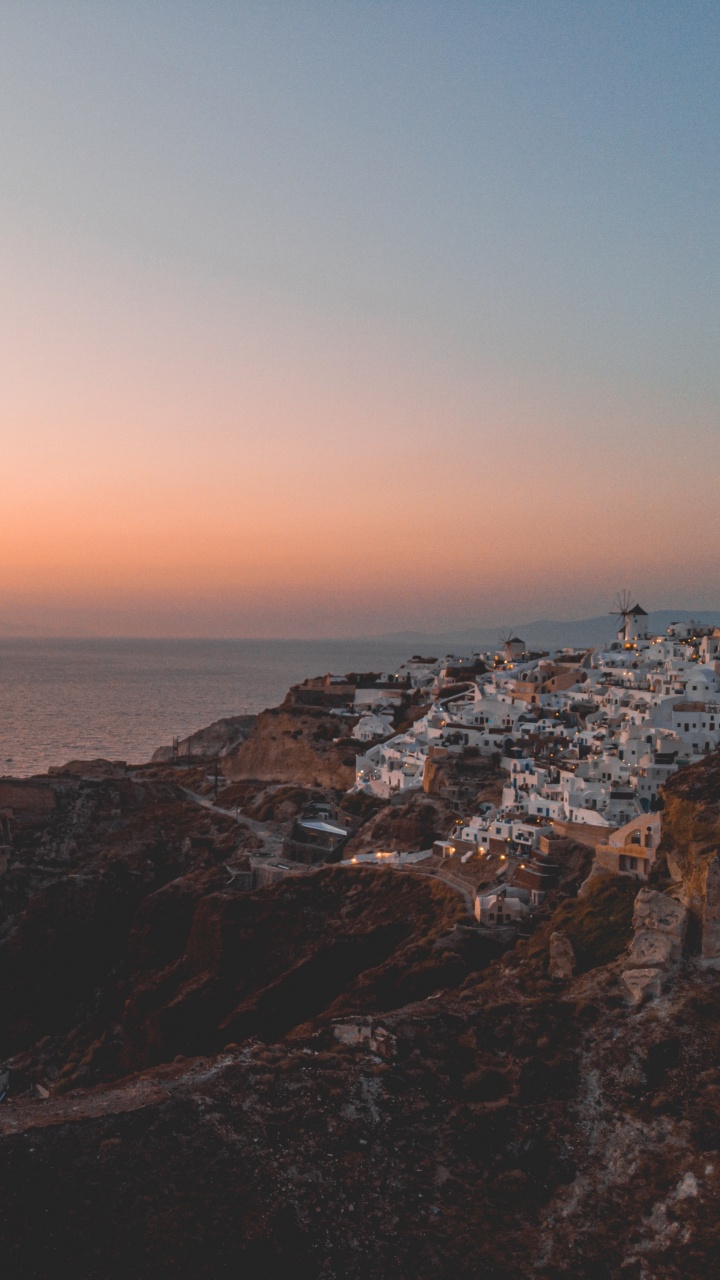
x=585, y=740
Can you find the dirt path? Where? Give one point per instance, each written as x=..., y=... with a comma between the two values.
x=455, y=884
x=110, y=1099
x=270, y=836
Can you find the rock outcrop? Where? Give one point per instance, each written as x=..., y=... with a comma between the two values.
x=691, y=828
x=690, y=844
x=97, y=768
x=216, y=739
x=413, y=825
x=562, y=958
x=296, y=744
x=660, y=925
x=642, y=984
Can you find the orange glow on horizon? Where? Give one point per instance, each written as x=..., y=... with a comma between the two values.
x=341, y=334
x=241, y=479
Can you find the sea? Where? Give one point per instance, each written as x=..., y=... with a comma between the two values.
x=64, y=700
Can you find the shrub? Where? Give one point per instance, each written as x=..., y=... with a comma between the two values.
x=599, y=925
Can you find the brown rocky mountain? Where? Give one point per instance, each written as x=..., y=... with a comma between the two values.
x=182, y=1102
x=307, y=740
x=296, y=744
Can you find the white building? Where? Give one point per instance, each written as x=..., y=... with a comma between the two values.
x=505, y=905
x=372, y=726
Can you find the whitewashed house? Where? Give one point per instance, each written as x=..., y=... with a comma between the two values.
x=505, y=905
x=371, y=726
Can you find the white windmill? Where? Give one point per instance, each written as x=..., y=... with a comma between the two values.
x=632, y=627
x=512, y=646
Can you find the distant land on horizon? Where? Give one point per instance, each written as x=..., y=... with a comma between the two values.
x=546, y=633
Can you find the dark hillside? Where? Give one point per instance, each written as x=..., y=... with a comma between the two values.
x=456, y=1119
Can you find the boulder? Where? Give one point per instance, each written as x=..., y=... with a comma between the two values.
x=652, y=948
x=660, y=924
x=642, y=984
x=657, y=913
x=98, y=768
x=562, y=957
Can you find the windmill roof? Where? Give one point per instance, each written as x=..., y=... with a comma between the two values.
x=637, y=609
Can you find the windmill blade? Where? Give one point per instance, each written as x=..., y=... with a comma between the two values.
x=623, y=603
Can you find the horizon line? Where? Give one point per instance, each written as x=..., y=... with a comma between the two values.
x=335, y=639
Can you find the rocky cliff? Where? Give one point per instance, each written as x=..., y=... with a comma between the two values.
x=516, y=1125
x=296, y=744
x=325, y=1078
x=215, y=740
x=125, y=941
x=416, y=824
x=83, y=854
x=691, y=828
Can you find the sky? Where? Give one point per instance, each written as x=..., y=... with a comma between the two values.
x=330, y=318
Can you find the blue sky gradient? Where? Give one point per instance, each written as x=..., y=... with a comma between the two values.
x=295, y=279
